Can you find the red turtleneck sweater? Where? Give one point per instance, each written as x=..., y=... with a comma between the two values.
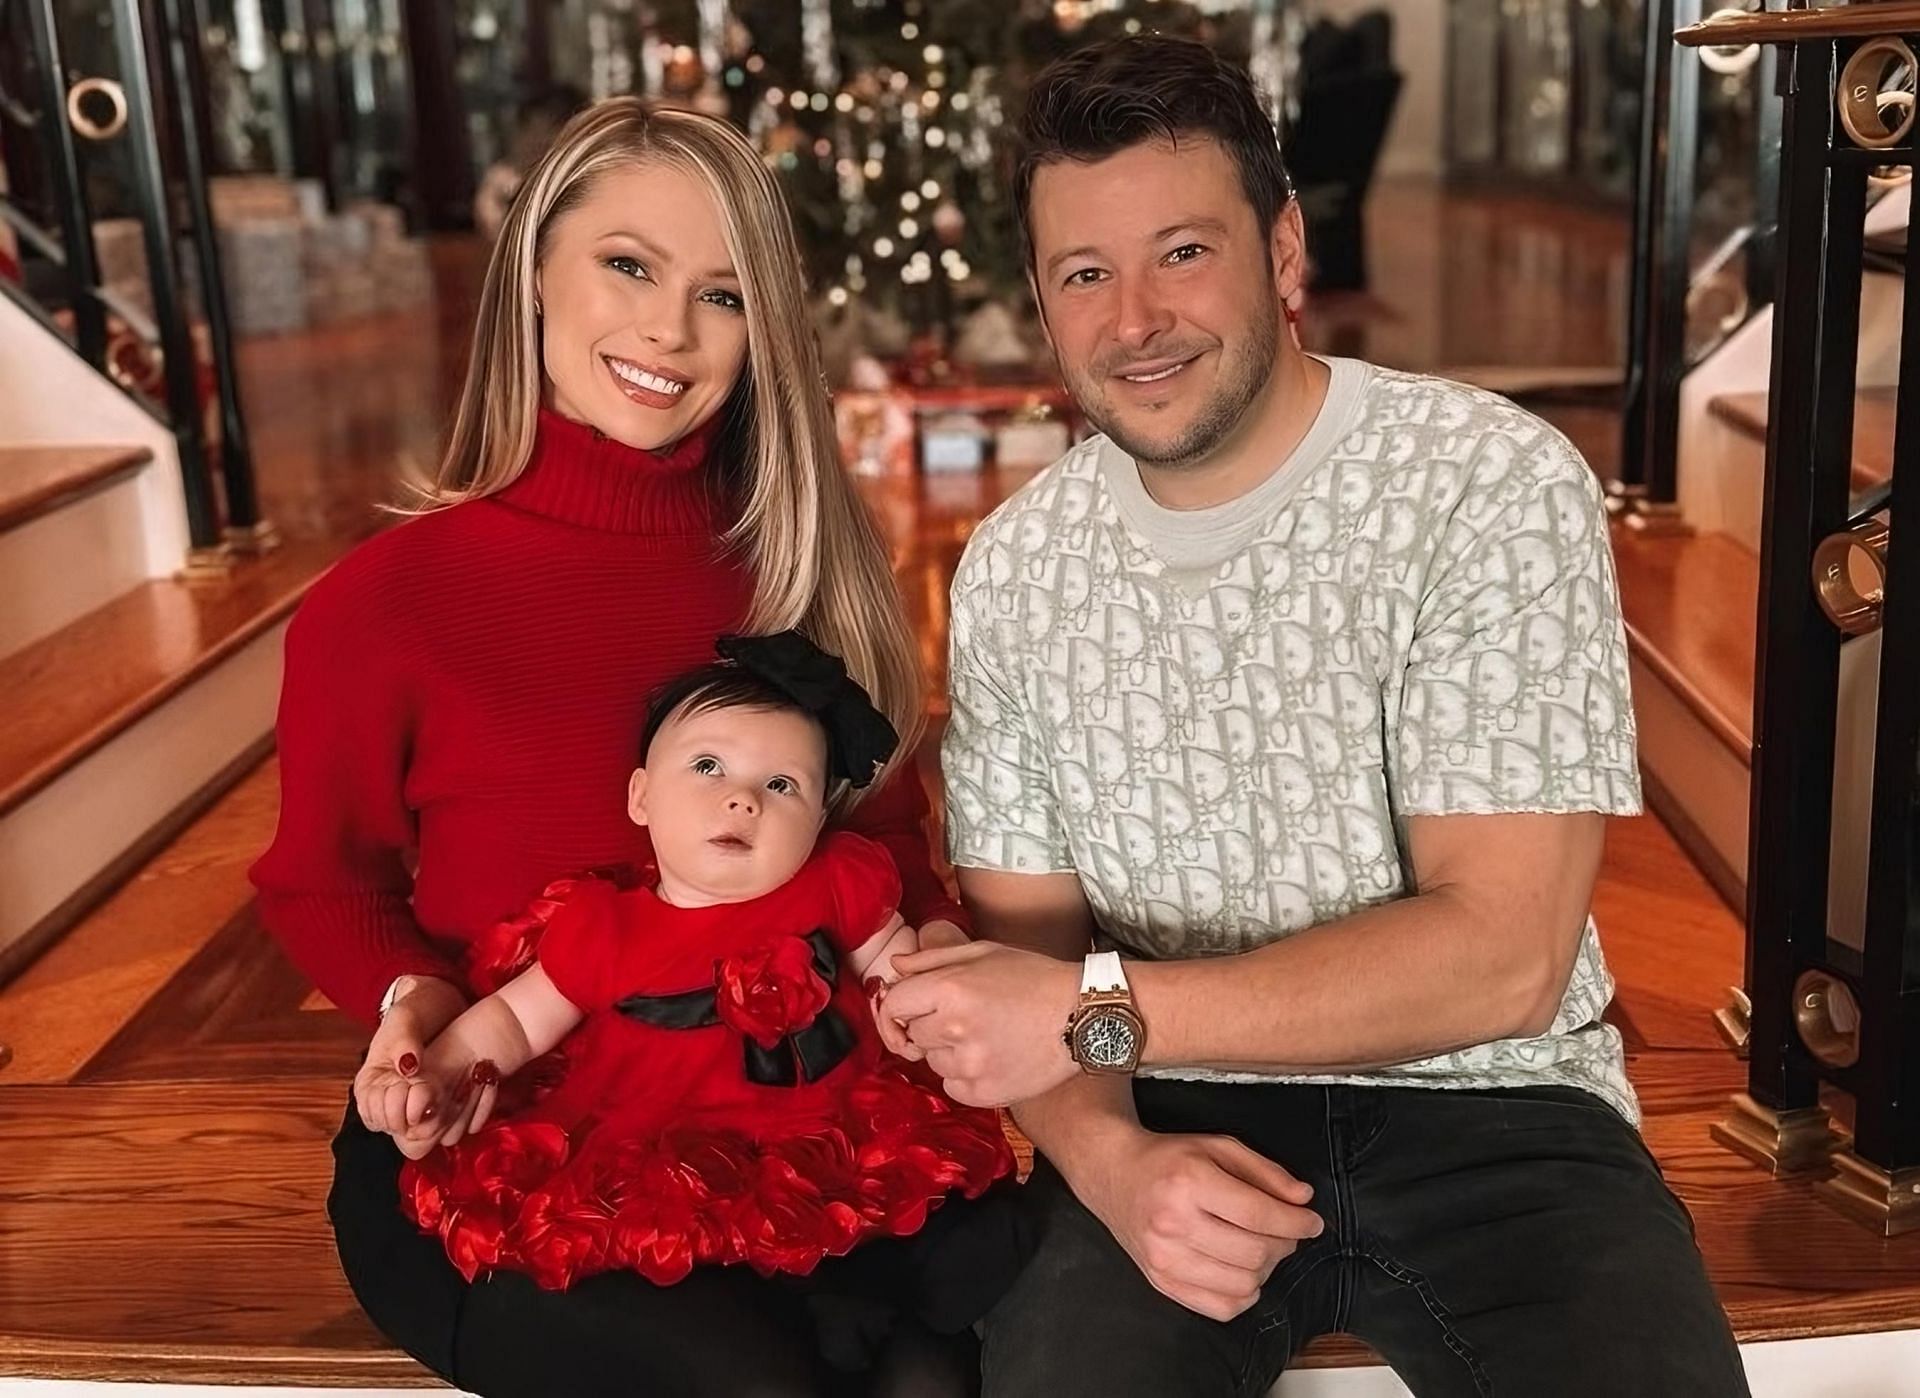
x=464, y=695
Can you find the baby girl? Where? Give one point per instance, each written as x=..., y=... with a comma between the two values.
x=722, y=1095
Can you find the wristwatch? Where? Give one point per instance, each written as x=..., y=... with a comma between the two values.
x=1105, y=1033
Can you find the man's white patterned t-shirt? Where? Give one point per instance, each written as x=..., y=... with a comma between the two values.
x=1220, y=719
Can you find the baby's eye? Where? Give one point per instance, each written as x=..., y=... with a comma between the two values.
x=782, y=786
x=705, y=766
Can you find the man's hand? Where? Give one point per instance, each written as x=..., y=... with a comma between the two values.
x=990, y=1019
x=1205, y=1218
x=893, y=1034
x=393, y=1056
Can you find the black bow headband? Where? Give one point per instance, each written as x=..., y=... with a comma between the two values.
x=859, y=738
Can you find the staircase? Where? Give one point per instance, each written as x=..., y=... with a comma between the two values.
x=1692, y=601
x=1691, y=593
x=141, y=608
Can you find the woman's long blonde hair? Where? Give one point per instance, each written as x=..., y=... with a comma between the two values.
x=817, y=559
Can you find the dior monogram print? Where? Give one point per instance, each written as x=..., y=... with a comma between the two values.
x=1219, y=719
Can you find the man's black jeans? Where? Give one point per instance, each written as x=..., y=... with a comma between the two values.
x=1516, y=1243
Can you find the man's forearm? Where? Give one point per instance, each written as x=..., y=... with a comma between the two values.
x=1076, y=1116
x=1389, y=984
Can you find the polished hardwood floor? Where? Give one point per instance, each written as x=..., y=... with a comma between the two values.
x=165, y=1117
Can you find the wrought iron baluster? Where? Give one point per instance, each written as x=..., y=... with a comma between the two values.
x=185, y=68
x=170, y=312
x=82, y=267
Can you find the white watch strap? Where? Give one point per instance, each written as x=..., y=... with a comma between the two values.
x=1102, y=973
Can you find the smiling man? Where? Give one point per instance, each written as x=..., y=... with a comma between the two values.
x=1286, y=716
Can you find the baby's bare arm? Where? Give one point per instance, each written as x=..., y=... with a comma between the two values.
x=874, y=957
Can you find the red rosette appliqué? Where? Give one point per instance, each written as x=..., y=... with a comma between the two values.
x=672, y=1199
x=803, y=1204
x=771, y=991
x=470, y=1194
x=917, y=1146
x=561, y=1235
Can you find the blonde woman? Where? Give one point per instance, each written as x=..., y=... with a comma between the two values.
x=643, y=459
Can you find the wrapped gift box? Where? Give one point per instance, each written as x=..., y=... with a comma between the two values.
x=953, y=441
x=402, y=276
x=239, y=198
x=266, y=282
x=1039, y=442
x=876, y=431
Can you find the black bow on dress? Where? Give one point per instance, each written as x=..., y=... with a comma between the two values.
x=805, y=1055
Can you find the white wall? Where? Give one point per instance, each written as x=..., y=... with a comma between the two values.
x=49, y=395
x=1420, y=52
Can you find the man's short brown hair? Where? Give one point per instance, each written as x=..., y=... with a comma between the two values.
x=1105, y=98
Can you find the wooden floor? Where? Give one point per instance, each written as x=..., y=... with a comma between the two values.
x=164, y=1120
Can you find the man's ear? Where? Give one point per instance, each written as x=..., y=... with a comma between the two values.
x=637, y=796
x=1289, y=253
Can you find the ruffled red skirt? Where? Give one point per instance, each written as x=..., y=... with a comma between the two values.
x=517, y=1197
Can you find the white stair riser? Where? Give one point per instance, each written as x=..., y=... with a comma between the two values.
x=61, y=839
x=79, y=555
x=1695, y=769
x=1721, y=469
x=49, y=396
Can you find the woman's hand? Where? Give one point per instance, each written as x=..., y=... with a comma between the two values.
x=451, y=1098
x=380, y=1088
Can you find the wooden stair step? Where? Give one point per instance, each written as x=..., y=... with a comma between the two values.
x=36, y=479
x=73, y=691
x=177, y=1232
x=1873, y=417
x=112, y=1176
x=1691, y=604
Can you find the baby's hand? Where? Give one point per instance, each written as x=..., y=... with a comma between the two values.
x=878, y=969
x=881, y=974
x=451, y=1097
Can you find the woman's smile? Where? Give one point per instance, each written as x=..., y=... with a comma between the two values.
x=644, y=384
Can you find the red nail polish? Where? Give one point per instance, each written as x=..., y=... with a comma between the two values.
x=427, y=1115
x=485, y=1074
x=408, y=1065
x=874, y=986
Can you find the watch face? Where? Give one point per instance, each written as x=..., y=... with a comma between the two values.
x=1107, y=1040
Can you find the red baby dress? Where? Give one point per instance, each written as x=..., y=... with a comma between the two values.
x=727, y=1099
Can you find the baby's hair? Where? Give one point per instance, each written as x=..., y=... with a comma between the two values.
x=715, y=686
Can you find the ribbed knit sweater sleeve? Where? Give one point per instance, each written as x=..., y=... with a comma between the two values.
x=895, y=817
x=334, y=886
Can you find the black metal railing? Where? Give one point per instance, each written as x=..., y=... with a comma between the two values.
x=165, y=175
x=1823, y=1013
x=1660, y=351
